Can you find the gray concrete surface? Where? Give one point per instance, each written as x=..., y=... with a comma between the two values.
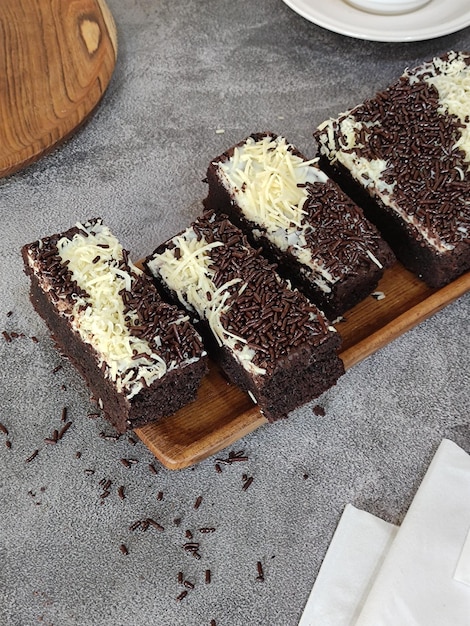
x=185, y=70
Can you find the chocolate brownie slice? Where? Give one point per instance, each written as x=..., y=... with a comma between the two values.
x=140, y=357
x=267, y=338
x=404, y=156
x=305, y=223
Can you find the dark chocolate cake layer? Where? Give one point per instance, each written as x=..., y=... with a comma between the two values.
x=404, y=156
x=305, y=223
x=140, y=356
x=268, y=338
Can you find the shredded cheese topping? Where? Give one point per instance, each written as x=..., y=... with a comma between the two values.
x=189, y=274
x=264, y=176
x=100, y=319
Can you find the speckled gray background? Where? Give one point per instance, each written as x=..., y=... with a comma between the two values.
x=185, y=69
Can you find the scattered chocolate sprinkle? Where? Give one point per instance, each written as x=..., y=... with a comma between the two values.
x=206, y=530
x=56, y=369
x=8, y=443
x=3, y=429
x=90, y=472
x=213, y=622
x=50, y=440
x=135, y=525
x=152, y=468
x=93, y=416
x=247, y=483
x=155, y=524
x=160, y=495
x=124, y=549
x=125, y=462
x=319, y=410
x=259, y=568
x=10, y=313
x=207, y=576
x=177, y=521
x=131, y=440
x=32, y=456
x=34, y=339
x=188, y=534
x=121, y=492
x=78, y=454
x=63, y=430
x=198, y=502
x=180, y=578
x=6, y=336
x=107, y=437
x=63, y=416
x=305, y=476
x=188, y=584
x=218, y=469
x=182, y=595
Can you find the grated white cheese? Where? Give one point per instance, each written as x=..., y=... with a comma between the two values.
x=190, y=276
x=263, y=176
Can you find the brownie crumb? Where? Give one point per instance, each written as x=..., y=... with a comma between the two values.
x=8, y=443
x=160, y=495
x=124, y=549
x=3, y=429
x=319, y=410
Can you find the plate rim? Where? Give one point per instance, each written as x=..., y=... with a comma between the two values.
x=312, y=11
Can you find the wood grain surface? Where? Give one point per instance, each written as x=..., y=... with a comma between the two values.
x=222, y=414
x=56, y=60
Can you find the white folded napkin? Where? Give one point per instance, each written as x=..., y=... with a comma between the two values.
x=417, y=575
x=416, y=585
x=354, y=556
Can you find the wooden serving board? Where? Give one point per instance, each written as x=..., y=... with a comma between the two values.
x=222, y=413
x=57, y=58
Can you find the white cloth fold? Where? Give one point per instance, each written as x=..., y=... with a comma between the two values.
x=418, y=575
x=354, y=556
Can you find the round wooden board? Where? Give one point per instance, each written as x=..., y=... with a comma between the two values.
x=57, y=59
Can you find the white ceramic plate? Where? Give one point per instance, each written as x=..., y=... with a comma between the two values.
x=439, y=17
